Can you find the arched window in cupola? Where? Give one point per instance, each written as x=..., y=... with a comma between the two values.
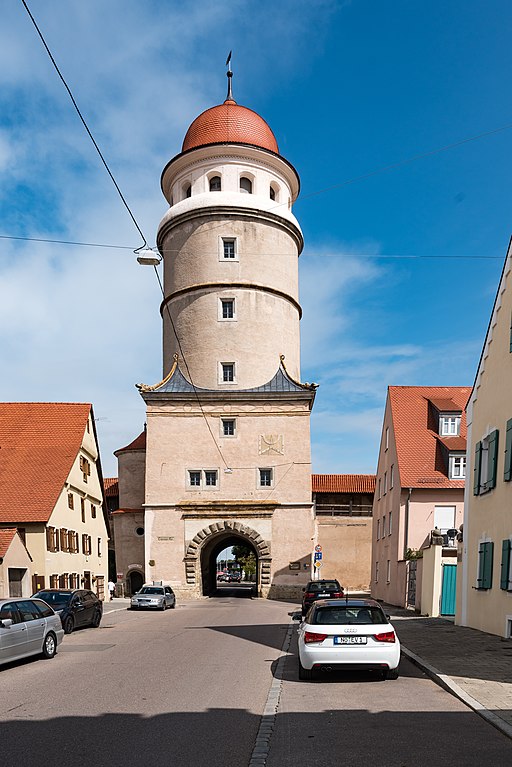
x=274, y=192
x=245, y=185
x=215, y=184
x=187, y=191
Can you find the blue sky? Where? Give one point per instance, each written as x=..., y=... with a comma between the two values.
x=348, y=88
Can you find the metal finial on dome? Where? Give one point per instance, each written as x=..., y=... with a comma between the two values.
x=229, y=76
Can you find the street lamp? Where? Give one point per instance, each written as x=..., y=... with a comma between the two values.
x=148, y=257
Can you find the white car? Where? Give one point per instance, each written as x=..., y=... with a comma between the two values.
x=28, y=627
x=347, y=634
x=155, y=597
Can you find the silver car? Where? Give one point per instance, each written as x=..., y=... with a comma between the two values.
x=156, y=597
x=28, y=627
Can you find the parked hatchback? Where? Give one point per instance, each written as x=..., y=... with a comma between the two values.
x=155, y=597
x=347, y=634
x=28, y=627
x=325, y=589
x=76, y=607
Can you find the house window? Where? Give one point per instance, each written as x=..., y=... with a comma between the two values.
x=376, y=572
x=486, y=459
x=392, y=476
x=444, y=518
x=70, y=501
x=506, y=565
x=379, y=489
x=385, y=482
x=388, y=571
x=74, y=581
x=52, y=540
x=228, y=427
x=194, y=478
x=215, y=184
x=93, y=511
x=64, y=581
x=272, y=192
x=85, y=468
x=384, y=526
x=378, y=529
x=64, y=545
x=449, y=425
x=227, y=306
x=54, y=581
x=390, y=523
x=228, y=372
x=265, y=477
x=82, y=508
x=86, y=544
x=210, y=478
x=507, y=474
x=229, y=250
x=99, y=547
x=485, y=557
x=245, y=185
x=457, y=467
x=386, y=443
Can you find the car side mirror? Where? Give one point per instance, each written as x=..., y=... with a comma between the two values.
x=296, y=617
x=388, y=617
x=304, y=589
x=6, y=623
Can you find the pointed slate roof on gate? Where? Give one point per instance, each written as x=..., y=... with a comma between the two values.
x=176, y=383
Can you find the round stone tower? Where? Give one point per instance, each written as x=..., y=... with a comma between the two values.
x=230, y=245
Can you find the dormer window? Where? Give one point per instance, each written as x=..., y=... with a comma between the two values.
x=449, y=425
x=215, y=184
x=246, y=185
x=457, y=466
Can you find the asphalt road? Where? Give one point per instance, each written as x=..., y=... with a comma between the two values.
x=187, y=687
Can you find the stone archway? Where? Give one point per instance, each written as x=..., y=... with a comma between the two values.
x=227, y=529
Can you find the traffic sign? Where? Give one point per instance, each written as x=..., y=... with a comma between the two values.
x=318, y=564
x=318, y=547
x=318, y=555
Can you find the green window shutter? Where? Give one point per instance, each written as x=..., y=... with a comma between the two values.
x=485, y=558
x=508, y=453
x=493, y=460
x=476, y=472
x=505, y=563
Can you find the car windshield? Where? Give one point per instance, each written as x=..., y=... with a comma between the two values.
x=323, y=586
x=55, y=598
x=348, y=615
x=151, y=590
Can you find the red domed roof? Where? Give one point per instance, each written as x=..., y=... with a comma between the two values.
x=230, y=123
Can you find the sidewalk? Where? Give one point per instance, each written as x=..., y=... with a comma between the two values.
x=474, y=666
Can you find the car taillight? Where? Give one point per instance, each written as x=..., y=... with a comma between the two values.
x=337, y=595
x=310, y=595
x=310, y=636
x=388, y=636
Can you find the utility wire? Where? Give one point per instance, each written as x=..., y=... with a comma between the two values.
x=305, y=254
x=85, y=124
x=129, y=211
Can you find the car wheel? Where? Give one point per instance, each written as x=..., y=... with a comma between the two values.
x=49, y=645
x=96, y=619
x=173, y=605
x=391, y=673
x=68, y=625
x=305, y=674
x=133, y=607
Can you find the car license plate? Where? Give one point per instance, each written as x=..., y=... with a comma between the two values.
x=349, y=640
x=324, y=595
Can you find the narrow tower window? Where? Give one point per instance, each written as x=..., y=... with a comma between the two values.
x=215, y=184
x=228, y=308
x=188, y=190
x=228, y=372
x=229, y=250
x=274, y=192
x=246, y=185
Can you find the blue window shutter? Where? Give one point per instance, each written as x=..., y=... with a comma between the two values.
x=476, y=471
x=505, y=563
x=493, y=460
x=508, y=453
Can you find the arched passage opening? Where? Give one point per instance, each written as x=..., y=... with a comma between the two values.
x=209, y=554
x=203, y=550
x=135, y=581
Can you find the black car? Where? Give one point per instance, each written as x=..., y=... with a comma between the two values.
x=326, y=589
x=76, y=607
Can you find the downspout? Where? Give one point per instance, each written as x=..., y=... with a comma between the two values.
x=406, y=526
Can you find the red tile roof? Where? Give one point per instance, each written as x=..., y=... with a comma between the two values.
x=416, y=436
x=230, y=123
x=39, y=442
x=111, y=486
x=139, y=443
x=343, y=483
x=6, y=538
